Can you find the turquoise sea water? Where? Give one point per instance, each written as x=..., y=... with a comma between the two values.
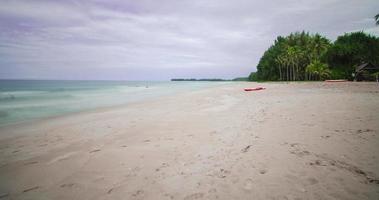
x=22, y=100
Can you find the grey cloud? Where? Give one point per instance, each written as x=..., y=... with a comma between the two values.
x=158, y=40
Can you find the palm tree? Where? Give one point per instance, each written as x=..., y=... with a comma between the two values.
x=318, y=70
x=377, y=19
x=280, y=62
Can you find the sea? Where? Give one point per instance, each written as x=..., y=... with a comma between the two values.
x=24, y=100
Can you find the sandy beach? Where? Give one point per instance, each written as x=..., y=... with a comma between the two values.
x=291, y=141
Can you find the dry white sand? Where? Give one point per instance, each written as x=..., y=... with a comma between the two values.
x=290, y=141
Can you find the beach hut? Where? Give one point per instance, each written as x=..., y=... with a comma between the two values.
x=366, y=72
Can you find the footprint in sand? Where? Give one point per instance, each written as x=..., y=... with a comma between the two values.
x=248, y=184
x=138, y=193
x=194, y=196
x=222, y=173
x=164, y=165
x=363, y=131
x=212, y=190
x=67, y=185
x=31, y=163
x=312, y=181
x=169, y=195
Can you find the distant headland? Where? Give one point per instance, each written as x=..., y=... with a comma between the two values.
x=210, y=79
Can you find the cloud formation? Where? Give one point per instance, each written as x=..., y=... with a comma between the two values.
x=159, y=40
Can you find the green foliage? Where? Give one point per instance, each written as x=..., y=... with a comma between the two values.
x=289, y=57
x=337, y=74
x=351, y=50
x=318, y=70
x=253, y=76
x=241, y=79
x=376, y=76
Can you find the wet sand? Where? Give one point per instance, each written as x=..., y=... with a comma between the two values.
x=290, y=141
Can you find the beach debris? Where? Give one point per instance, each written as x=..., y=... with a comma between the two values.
x=30, y=189
x=95, y=150
x=246, y=149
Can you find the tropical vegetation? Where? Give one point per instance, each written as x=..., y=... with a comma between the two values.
x=302, y=56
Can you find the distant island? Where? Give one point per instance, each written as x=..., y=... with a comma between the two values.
x=210, y=79
x=194, y=79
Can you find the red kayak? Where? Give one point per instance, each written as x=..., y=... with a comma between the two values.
x=335, y=81
x=254, y=89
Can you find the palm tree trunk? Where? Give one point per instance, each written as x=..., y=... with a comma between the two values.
x=287, y=72
x=291, y=70
x=297, y=72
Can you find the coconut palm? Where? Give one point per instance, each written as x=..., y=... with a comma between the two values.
x=280, y=62
x=318, y=70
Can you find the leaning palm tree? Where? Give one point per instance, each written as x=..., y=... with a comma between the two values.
x=377, y=19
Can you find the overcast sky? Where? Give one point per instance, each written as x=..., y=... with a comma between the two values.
x=160, y=39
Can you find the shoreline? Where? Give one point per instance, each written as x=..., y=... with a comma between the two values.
x=94, y=110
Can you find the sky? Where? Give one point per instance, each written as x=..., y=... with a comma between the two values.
x=160, y=39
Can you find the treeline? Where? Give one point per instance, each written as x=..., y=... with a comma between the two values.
x=303, y=56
